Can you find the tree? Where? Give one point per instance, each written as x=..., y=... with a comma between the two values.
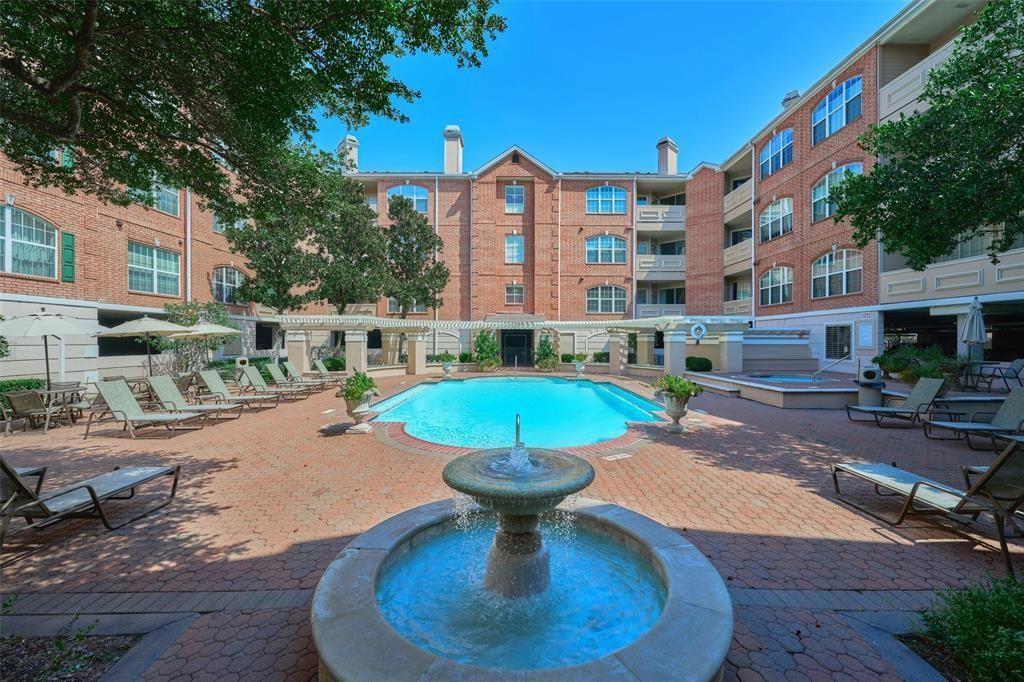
x=172, y=91
x=545, y=358
x=487, y=350
x=956, y=170
x=191, y=354
x=414, y=274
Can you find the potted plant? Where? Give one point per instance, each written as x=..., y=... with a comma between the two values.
x=676, y=391
x=358, y=390
x=545, y=359
x=446, y=359
x=487, y=351
x=580, y=360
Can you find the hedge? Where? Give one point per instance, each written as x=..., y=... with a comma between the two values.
x=601, y=356
x=7, y=385
x=698, y=364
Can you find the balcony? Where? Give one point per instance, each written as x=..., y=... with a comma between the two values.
x=659, y=309
x=660, y=268
x=737, y=202
x=660, y=218
x=736, y=258
x=902, y=94
x=739, y=307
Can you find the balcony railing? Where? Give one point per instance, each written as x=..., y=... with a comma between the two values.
x=905, y=90
x=736, y=258
x=737, y=201
x=660, y=268
x=659, y=309
x=738, y=307
x=660, y=218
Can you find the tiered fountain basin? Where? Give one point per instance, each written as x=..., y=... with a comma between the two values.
x=678, y=611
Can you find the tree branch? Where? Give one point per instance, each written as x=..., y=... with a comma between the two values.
x=83, y=50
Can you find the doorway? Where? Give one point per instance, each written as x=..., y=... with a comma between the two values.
x=517, y=348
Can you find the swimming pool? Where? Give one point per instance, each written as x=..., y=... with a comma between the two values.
x=480, y=413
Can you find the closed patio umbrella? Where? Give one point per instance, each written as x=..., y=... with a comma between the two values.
x=44, y=324
x=974, y=326
x=144, y=326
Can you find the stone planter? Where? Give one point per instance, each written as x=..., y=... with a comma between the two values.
x=581, y=367
x=446, y=367
x=675, y=408
x=359, y=412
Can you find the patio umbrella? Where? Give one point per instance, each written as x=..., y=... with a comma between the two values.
x=974, y=326
x=205, y=331
x=44, y=324
x=144, y=326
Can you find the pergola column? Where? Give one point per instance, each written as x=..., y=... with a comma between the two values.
x=618, y=352
x=730, y=353
x=645, y=348
x=417, y=362
x=297, y=344
x=390, y=348
x=355, y=350
x=675, y=352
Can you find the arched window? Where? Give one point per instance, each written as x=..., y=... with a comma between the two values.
x=776, y=220
x=606, y=199
x=414, y=193
x=225, y=281
x=28, y=244
x=777, y=154
x=776, y=286
x=820, y=208
x=839, y=107
x=606, y=299
x=606, y=249
x=837, y=273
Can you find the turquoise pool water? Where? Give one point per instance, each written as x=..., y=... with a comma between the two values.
x=480, y=413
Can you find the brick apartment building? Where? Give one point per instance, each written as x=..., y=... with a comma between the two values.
x=748, y=238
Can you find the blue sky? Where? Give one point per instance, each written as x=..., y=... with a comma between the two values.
x=593, y=85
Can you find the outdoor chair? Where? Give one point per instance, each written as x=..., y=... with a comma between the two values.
x=1013, y=372
x=167, y=393
x=69, y=394
x=118, y=404
x=29, y=405
x=84, y=499
x=999, y=491
x=218, y=392
x=323, y=373
x=295, y=375
x=278, y=378
x=915, y=406
x=1009, y=419
x=251, y=379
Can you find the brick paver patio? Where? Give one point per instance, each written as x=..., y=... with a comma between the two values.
x=267, y=501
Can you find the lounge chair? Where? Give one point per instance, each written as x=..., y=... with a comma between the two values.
x=998, y=491
x=29, y=405
x=919, y=403
x=323, y=373
x=118, y=404
x=167, y=393
x=218, y=392
x=252, y=380
x=278, y=379
x=1009, y=419
x=84, y=499
x=1014, y=372
x=295, y=375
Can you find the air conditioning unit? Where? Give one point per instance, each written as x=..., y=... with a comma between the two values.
x=241, y=361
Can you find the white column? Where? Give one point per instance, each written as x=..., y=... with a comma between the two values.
x=618, y=353
x=730, y=351
x=417, y=362
x=355, y=351
x=675, y=352
x=645, y=348
x=391, y=348
x=298, y=348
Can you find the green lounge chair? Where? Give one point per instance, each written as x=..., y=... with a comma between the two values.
x=1013, y=372
x=84, y=499
x=118, y=404
x=919, y=403
x=999, y=491
x=1009, y=419
x=167, y=393
x=323, y=373
x=252, y=380
x=218, y=392
x=29, y=406
x=295, y=375
x=279, y=380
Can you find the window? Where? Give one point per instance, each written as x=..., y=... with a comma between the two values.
x=606, y=199
x=416, y=307
x=739, y=236
x=265, y=336
x=219, y=225
x=740, y=290
x=414, y=193
x=153, y=270
x=776, y=220
x=673, y=296
x=165, y=199
x=674, y=200
x=606, y=249
x=820, y=208
x=28, y=245
x=837, y=273
x=515, y=198
x=515, y=294
x=643, y=200
x=975, y=246
x=776, y=286
x=514, y=248
x=225, y=281
x=606, y=299
x=777, y=154
x=837, y=341
x=673, y=248
x=839, y=107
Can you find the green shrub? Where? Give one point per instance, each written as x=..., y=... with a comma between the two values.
x=336, y=364
x=601, y=356
x=445, y=357
x=466, y=358
x=567, y=357
x=696, y=364
x=913, y=363
x=984, y=626
x=579, y=357
x=487, y=350
x=677, y=386
x=7, y=385
x=545, y=358
x=356, y=387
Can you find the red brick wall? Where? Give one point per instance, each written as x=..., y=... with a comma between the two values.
x=810, y=240
x=705, y=243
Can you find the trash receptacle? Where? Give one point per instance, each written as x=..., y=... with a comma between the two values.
x=869, y=387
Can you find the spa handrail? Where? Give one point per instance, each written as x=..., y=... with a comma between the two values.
x=814, y=377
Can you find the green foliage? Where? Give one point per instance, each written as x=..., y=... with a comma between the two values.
x=444, y=357
x=4, y=348
x=912, y=363
x=602, y=356
x=335, y=364
x=984, y=627
x=955, y=170
x=356, y=386
x=180, y=91
x=191, y=354
x=466, y=358
x=580, y=357
x=681, y=388
x=697, y=364
x=545, y=358
x=566, y=357
x=415, y=274
x=487, y=350
x=7, y=385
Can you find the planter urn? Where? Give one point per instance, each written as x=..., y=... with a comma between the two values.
x=675, y=408
x=359, y=412
x=446, y=367
x=581, y=367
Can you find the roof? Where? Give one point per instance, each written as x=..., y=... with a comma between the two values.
x=365, y=322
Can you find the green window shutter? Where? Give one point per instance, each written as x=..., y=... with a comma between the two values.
x=67, y=257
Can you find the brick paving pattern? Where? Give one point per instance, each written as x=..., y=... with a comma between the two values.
x=267, y=501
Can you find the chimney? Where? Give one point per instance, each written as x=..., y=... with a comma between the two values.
x=668, y=156
x=452, y=150
x=791, y=97
x=348, y=152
